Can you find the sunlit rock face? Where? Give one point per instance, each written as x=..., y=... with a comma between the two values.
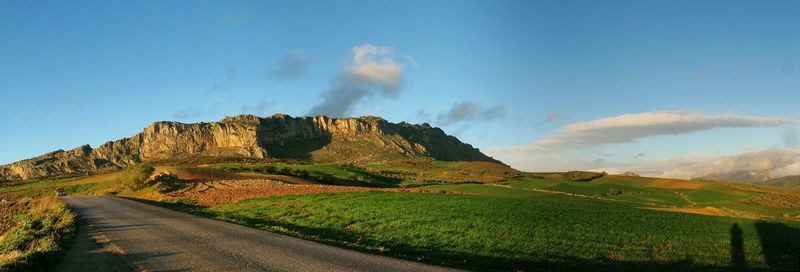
x=314, y=138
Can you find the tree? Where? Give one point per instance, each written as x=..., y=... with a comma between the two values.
x=136, y=177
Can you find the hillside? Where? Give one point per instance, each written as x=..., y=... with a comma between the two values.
x=754, y=178
x=737, y=176
x=316, y=139
x=787, y=181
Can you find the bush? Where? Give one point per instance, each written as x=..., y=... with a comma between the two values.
x=137, y=176
x=270, y=169
x=580, y=175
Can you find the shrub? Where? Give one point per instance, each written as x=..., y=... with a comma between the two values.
x=137, y=176
x=270, y=169
x=580, y=175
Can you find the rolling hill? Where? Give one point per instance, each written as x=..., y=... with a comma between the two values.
x=787, y=181
x=754, y=178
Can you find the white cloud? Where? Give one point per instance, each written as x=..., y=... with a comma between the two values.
x=375, y=65
x=776, y=162
x=371, y=68
x=560, y=151
x=629, y=127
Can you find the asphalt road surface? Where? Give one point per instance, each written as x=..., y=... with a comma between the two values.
x=119, y=234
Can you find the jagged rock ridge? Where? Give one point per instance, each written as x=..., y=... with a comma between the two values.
x=318, y=138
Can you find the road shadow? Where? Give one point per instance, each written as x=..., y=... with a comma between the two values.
x=87, y=254
x=780, y=245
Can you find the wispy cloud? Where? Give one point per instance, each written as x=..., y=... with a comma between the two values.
x=629, y=127
x=258, y=109
x=560, y=150
x=469, y=111
x=193, y=113
x=226, y=84
x=371, y=71
x=791, y=138
x=291, y=66
x=551, y=117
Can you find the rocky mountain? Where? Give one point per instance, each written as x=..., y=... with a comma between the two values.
x=318, y=139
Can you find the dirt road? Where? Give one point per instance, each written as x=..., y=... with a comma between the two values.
x=152, y=238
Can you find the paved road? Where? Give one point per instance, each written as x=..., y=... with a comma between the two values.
x=151, y=238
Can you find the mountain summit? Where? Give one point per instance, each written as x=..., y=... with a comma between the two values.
x=318, y=139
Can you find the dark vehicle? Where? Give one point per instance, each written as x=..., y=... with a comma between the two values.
x=61, y=192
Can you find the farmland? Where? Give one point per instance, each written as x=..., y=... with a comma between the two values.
x=509, y=228
x=532, y=222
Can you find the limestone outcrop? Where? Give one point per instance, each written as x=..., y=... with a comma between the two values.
x=317, y=138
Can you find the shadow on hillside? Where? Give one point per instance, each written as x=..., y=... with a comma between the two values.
x=291, y=147
x=780, y=245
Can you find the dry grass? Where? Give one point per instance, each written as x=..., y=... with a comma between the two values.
x=712, y=211
x=7, y=211
x=663, y=183
x=770, y=196
x=40, y=228
x=218, y=192
x=208, y=173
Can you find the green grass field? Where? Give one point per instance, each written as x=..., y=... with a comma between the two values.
x=506, y=228
x=529, y=224
x=34, y=189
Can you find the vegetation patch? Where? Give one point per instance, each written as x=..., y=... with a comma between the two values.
x=35, y=233
x=579, y=175
x=136, y=177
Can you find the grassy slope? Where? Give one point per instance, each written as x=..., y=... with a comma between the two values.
x=661, y=193
x=509, y=228
x=515, y=227
x=388, y=174
x=788, y=181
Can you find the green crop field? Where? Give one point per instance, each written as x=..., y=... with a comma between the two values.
x=534, y=223
x=507, y=228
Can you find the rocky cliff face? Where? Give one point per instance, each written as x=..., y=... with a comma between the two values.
x=319, y=138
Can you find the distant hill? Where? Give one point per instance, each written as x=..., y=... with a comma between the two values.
x=754, y=178
x=316, y=139
x=738, y=176
x=629, y=174
x=787, y=181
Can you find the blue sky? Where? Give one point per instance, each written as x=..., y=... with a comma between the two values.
x=489, y=72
